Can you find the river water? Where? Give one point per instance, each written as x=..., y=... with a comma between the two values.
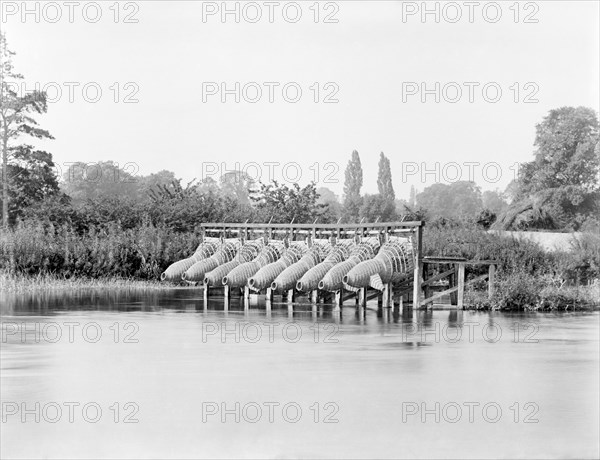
x=161, y=375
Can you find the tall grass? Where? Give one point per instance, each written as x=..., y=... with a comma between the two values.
x=102, y=252
x=17, y=283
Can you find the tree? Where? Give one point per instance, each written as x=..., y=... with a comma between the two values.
x=16, y=119
x=494, y=201
x=333, y=210
x=283, y=204
x=88, y=181
x=458, y=200
x=32, y=179
x=149, y=182
x=559, y=188
x=238, y=185
x=384, y=179
x=352, y=185
x=377, y=207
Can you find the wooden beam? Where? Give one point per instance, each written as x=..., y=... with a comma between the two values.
x=439, y=294
x=222, y=225
x=418, y=268
x=438, y=277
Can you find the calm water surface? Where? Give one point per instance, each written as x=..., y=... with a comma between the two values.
x=200, y=382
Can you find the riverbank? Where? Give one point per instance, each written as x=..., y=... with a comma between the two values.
x=508, y=296
x=18, y=283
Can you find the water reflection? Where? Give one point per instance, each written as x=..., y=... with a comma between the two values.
x=170, y=354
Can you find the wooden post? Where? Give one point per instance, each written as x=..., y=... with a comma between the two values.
x=461, y=285
x=385, y=296
x=391, y=294
x=226, y=292
x=418, y=268
x=338, y=300
x=451, y=284
x=290, y=296
x=314, y=296
x=269, y=295
x=362, y=297
x=246, y=292
x=492, y=274
x=205, y=293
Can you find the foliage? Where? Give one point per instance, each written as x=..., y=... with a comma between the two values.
x=90, y=181
x=333, y=208
x=457, y=200
x=384, y=179
x=108, y=251
x=283, y=204
x=352, y=185
x=377, y=208
x=26, y=175
x=559, y=189
x=494, y=201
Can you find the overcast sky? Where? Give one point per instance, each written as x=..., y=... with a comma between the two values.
x=371, y=61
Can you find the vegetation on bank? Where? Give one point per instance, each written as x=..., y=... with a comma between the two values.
x=17, y=283
x=97, y=221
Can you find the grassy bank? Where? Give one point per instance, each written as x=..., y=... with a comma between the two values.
x=19, y=283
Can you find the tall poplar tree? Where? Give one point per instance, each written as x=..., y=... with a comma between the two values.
x=384, y=179
x=352, y=185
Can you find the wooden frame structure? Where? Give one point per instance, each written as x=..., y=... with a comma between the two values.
x=417, y=287
x=457, y=279
x=295, y=232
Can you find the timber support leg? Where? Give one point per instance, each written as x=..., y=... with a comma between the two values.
x=314, y=296
x=205, y=293
x=461, y=285
x=338, y=300
x=362, y=297
x=385, y=296
x=226, y=296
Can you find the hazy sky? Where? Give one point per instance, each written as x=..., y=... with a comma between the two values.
x=371, y=61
